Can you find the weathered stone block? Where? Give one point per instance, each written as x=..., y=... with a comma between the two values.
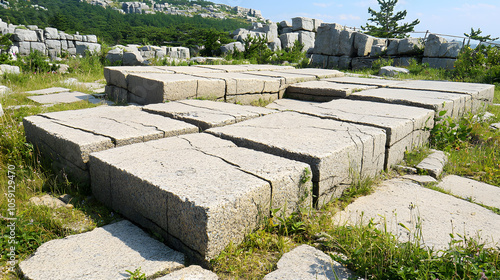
x=363, y=43
x=38, y=46
x=83, y=47
x=51, y=33
x=433, y=45
x=319, y=60
x=288, y=39
x=307, y=38
x=410, y=46
x=346, y=43
x=345, y=62
x=449, y=50
x=328, y=39
x=393, y=46
x=302, y=23
x=25, y=35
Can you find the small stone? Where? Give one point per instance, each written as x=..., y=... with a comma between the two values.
x=434, y=163
x=421, y=179
x=405, y=169
x=495, y=126
x=392, y=71
x=48, y=201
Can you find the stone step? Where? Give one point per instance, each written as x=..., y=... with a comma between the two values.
x=103, y=253
x=335, y=150
x=199, y=191
x=364, y=81
x=406, y=127
x=322, y=91
x=472, y=190
x=68, y=137
x=401, y=201
x=65, y=97
x=207, y=114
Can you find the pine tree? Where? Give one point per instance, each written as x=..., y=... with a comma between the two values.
x=386, y=22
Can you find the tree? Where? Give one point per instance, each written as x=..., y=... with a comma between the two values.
x=386, y=22
x=475, y=35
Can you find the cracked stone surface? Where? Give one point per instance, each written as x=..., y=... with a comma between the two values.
x=117, y=75
x=308, y=263
x=245, y=67
x=193, y=272
x=68, y=137
x=455, y=104
x=206, y=191
x=51, y=90
x=434, y=163
x=207, y=114
x=364, y=81
x=244, y=83
x=332, y=148
x=470, y=189
x=93, y=255
x=290, y=78
x=318, y=73
x=323, y=89
x=401, y=201
x=148, y=88
x=403, y=124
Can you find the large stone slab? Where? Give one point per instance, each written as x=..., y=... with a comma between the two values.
x=308, y=263
x=207, y=114
x=51, y=90
x=318, y=73
x=148, y=88
x=290, y=78
x=104, y=253
x=200, y=192
x=480, y=93
x=246, y=67
x=406, y=127
x=190, y=69
x=332, y=148
x=68, y=137
x=455, y=104
x=193, y=272
x=400, y=201
x=364, y=81
x=472, y=190
x=65, y=97
x=322, y=90
x=117, y=75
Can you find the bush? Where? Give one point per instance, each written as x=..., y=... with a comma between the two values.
x=381, y=62
x=36, y=62
x=481, y=64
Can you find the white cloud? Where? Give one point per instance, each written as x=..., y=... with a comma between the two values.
x=322, y=5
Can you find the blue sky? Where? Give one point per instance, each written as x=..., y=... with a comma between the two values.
x=453, y=17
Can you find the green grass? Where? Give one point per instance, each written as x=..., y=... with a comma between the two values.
x=365, y=248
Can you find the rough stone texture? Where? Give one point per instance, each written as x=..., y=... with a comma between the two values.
x=377, y=50
x=409, y=46
x=271, y=31
x=480, y=93
x=94, y=255
x=363, y=43
x=328, y=39
x=116, y=94
x=324, y=89
x=132, y=59
x=288, y=39
x=189, y=69
x=11, y=69
x=362, y=62
x=450, y=50
x=307, y=38
x=64, y=97
x=47, y=200
x=420, y=179
x=330, y=147
x=405, y=126
x=454, y=104
x=318, y=73
x=392, y=71
x=231, y=47
x=320, y=60
x=38, y=46
x=345, y=62
x=25, y=35
x=83, y=47
x=434, y=163
x=207, y=114
x=275, y=45
x=333, y=62
x=393, y=46
x=69, y=137
x=346, y=43
x=302, y=23
x=433, y=45
x=289, y=78
x=244, y=83
x=308, y=263
x=440, y=214
x=206, y=191
x=115, y=55
x=472, y=190
x=252, y=98
x=244, y=68
x=193, y=272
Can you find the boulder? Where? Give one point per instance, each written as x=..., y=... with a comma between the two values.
x=132, y=59
x=51, y=33
x=409, y=46
x=271, y=31
x=64, y=45
x=363, y=43
x=288, y=39
x=5, y=68
x=433, y=45
x=24, y=47
x=276, y=45
x=231, y=47
x=92, y=38
x=392, y=48
x=302, y=23
x=115, y=55
x=307, y=38
x=240, y=31
x=178, y=52
x=82, y=47
x=328, y=39
x=449, y=50
x=392, y=71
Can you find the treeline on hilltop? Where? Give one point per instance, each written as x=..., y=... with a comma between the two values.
x=113, y=27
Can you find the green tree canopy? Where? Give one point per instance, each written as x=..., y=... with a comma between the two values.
x=386, y=22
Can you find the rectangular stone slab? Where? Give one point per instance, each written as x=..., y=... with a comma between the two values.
x=64, y=97
x=255, y=99
x=455, y=105
x=335, y=150
x=324, y=89
x=199, y=191
x=318, y=73
x=117, y=75
x=243, y=83
x=190, y=69
x=206, y=114
x=246, y=67
x=73, y=135
x=403, y=124
x=148, y=88
x=290, y=78
x=48, y=91
x=364, y=81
